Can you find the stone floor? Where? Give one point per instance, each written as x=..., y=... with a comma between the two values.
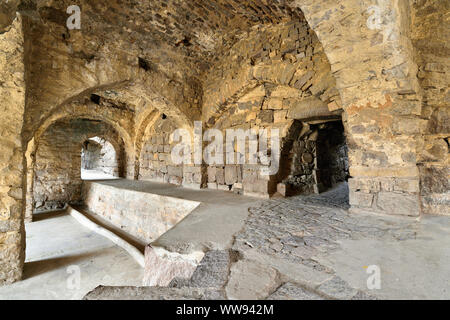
x=55, y=242
x=304, y=247
x=313, y=248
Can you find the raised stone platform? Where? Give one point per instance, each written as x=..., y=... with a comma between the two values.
x=180, y=224
x=144, y=215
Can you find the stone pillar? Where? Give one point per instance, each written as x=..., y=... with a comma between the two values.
x=382, y=155
x=12, y=105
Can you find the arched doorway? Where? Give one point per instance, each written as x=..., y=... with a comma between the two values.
x=314, y=158
x=57, y=174
x=99, y=160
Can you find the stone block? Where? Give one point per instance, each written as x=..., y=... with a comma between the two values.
x=251, y=280
x=211, y=174
x=361, y=199
x=407, y=185
x=275, y=104
x=175, y=171
x=280, y=116
x=291, y=291
x=285, y=92
x=399, y=203
x=212, y=185
x=282, y=189
x=266, y=116
x=220, y=175
x=175, y=180
x=308, y=108
x=223, y=187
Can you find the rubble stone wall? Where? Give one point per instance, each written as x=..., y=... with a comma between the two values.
x=316, y=159
x=273, y=76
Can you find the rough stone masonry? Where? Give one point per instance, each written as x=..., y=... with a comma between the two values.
x=374, y=73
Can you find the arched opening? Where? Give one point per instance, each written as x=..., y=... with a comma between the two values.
x=99, y=160
x=69, y=151
x=314, y=158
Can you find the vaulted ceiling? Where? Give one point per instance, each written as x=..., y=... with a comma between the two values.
x=195, y=31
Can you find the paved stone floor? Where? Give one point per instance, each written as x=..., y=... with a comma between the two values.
x=304, y=247
x=313, y=248
x=315, y=244
x=55, y=243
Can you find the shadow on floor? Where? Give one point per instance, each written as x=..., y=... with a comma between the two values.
x=35, y=268
x=48, y=215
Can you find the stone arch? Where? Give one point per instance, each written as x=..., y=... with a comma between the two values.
x=87, y=111
x=73, y=111
x=371, y=57
x=371, y=60
x=307, y=72
x=116, y=164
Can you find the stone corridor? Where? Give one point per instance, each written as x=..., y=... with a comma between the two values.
x=306, y=141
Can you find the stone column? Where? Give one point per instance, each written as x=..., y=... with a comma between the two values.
x=382, y=155
x=12, y=105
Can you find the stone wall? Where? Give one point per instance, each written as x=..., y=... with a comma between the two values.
x=12, y=102
x=316, y=159
x=143, y=215
x=57, y=170
x=273, y=76
x=155, y=161
x=430, y=33
x=379, y=66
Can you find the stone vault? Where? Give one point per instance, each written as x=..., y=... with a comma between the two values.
x=137, y=70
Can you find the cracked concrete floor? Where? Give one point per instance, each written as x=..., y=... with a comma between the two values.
x=57, y=241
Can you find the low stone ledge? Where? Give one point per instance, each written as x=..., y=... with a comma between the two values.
x=85, y=221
